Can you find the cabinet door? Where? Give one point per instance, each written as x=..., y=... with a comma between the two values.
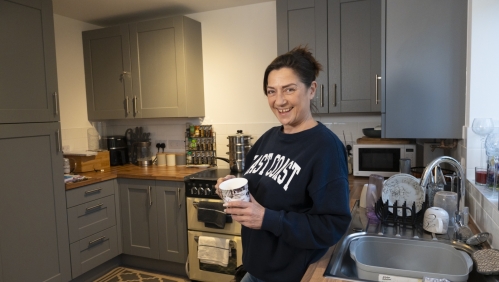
x=354, y=55
x=28, y=75
x=155, y=56
x=107, y=73
x=138, y=216
x=172, y=221
x=301, y=22
x=425, y=48
x=34, y=243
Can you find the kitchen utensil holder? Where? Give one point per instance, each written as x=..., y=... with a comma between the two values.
x=408, y=218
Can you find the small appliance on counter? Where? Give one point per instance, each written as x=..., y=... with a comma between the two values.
x=138, y=144
x=118, y=151
x=381, y=156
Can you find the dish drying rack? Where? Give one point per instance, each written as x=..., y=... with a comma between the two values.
x=409, y=215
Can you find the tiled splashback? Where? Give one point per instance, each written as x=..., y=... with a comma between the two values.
x=171, y=131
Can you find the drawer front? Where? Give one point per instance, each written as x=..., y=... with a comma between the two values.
x=90, y=218
x=93, y=251
x=89, y=193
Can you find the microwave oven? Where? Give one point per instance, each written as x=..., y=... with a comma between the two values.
x=381, y=159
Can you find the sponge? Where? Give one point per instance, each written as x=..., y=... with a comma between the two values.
x=487, y=261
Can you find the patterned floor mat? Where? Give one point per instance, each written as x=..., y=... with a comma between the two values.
x=123, y=274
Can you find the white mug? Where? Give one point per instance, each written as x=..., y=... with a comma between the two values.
x=235, y=189
x=436, y=220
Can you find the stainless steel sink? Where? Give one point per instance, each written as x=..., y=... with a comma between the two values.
x=343, y=266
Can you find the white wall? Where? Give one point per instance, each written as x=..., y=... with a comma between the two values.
x=483, y=102
x=71, y=80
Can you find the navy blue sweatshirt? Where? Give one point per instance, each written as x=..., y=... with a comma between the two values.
x=302, y=181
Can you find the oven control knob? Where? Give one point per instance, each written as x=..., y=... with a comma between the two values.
x=207, y=191
x=201, y=191
x=194, y=190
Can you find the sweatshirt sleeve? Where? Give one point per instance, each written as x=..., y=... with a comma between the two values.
x=320, y=227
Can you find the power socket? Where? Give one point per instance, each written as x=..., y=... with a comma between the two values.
x=176, y=144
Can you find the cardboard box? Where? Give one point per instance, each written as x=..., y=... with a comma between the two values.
x=81, y=163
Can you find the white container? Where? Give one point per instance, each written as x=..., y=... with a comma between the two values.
x=381, y=256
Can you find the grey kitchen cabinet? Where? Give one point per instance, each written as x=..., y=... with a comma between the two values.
x=139, y=218
x=34, y=244
x=424, y=63
x=94, y=225
x=354, y=49
x=107, y=73
x=28, y=74
x=304, y=22
x=172, y=226
x=154, y=219
x=345, y=37
x=146, y=69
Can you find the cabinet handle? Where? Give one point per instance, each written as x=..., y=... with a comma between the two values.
x=334, y=98
x=56, y=103
x=135, y=105
x=127, y=109
x=178, y=198
x=149, y=195
x=322, y=95
x=376, y=78
x=93, y=191
x=97, y=240
x=58, y=140
x=94, y=207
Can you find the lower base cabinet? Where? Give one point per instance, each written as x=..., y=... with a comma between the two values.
x=93, y=251
x=94, y=225
x=153, y=217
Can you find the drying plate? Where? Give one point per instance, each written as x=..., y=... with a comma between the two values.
x=402, y=188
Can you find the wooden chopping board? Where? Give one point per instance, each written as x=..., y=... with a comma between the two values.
x=369, y=140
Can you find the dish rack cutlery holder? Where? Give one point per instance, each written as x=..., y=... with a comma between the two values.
x=408, y=218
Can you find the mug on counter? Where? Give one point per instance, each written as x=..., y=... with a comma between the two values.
x=436, y=220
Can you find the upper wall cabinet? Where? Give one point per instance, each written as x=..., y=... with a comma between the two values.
x=425, y=68
x=28, y=74
x=345, y=37
x=147, y=69
x=304, y=23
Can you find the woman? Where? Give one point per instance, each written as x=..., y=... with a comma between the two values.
x=297, y=177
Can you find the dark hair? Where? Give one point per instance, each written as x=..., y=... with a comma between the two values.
x=300, y=60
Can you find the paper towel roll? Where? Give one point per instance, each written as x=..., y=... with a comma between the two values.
x=161, y=159
x=170, y=160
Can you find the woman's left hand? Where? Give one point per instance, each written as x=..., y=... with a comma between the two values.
x=249, y=214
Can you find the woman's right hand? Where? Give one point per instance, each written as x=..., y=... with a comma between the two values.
x=220, y=180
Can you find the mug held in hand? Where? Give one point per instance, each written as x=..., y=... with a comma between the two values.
x=235, y=189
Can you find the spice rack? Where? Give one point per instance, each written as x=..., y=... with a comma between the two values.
x=200, y=145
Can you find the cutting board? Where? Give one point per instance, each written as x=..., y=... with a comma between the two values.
x=369, y=140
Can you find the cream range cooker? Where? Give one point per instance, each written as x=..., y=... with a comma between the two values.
x=201, y=187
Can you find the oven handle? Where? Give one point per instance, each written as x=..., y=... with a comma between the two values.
x=232, y=244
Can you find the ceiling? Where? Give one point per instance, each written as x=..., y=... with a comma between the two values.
x=114, y=12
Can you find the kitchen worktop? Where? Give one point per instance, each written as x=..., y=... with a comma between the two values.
x=154, y=172
x=315, y=272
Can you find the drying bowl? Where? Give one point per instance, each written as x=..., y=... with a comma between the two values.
x=371, y=132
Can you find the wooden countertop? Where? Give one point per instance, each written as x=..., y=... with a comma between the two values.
x=154, y=172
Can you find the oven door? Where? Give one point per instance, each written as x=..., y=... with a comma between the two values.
x=233, y=228
x=210, y=272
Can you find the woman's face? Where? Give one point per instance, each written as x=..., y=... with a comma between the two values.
x=289, y=99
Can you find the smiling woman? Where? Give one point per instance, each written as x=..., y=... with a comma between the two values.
x=298, y=186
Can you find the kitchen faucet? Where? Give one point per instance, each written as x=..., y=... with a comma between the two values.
x=426, y=178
